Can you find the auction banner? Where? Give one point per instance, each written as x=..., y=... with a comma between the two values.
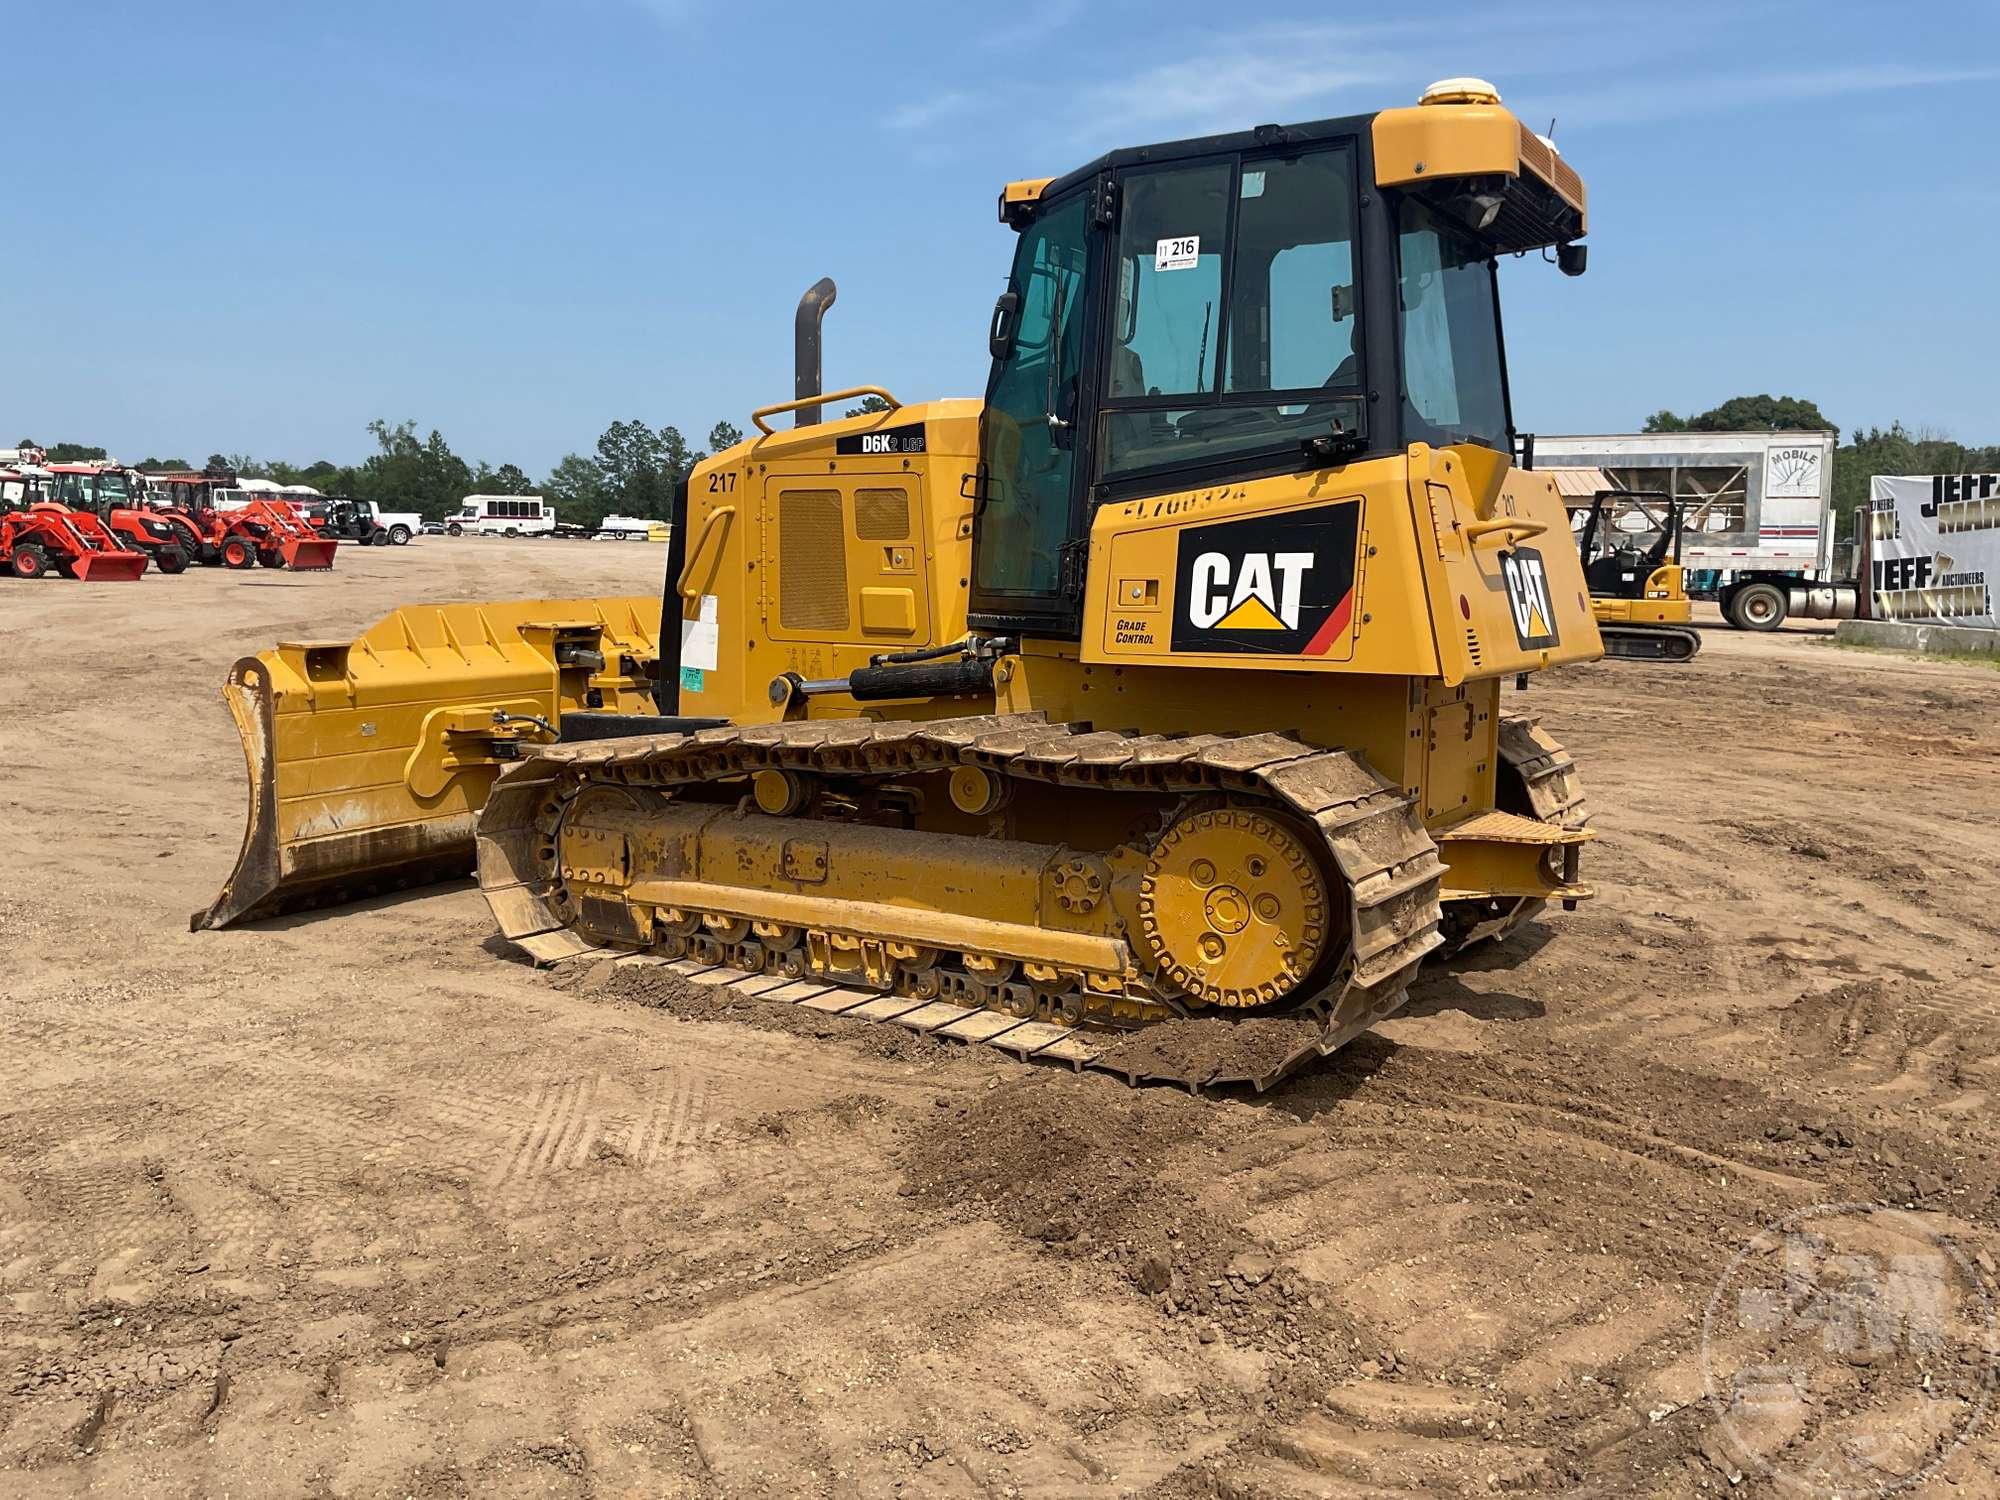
x=1936, y=547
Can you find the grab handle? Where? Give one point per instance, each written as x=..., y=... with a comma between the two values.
x=711, y=525
x=762, y=412
x=1515, y=530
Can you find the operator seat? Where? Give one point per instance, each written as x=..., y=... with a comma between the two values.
x=1132, y=431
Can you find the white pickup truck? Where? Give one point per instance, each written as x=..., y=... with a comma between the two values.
x=400, y=524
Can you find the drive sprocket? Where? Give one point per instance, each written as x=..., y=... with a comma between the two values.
x=1233, y=907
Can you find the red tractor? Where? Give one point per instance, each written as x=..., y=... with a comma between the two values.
x=228, y=527
x=112, y=496
x=37, y=536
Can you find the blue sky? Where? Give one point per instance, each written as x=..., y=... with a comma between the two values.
x=253, y=227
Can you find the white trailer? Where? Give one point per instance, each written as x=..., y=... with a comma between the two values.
x=617, y=528
x=1758, y=510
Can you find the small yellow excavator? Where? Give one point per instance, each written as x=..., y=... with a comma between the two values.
x=1639, y=595
x=1146, y=713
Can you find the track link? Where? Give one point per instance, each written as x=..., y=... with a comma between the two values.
x=1373, y=840
x=1668, y=643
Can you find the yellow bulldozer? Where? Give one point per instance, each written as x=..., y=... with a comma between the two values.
x=1149, y=704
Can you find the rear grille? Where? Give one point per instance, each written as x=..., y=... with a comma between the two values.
x=1533, y=215
x=1551, y=168
x=812, y=561
x=882, y=515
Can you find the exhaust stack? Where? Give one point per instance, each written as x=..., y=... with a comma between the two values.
x=805, y=347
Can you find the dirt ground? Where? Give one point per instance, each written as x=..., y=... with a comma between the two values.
x=353, y=1205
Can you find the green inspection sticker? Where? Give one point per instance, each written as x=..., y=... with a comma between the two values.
x=691, y=678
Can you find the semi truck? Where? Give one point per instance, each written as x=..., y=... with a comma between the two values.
x=1757, y=508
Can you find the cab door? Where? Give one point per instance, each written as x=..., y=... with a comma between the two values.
x=1026, y=559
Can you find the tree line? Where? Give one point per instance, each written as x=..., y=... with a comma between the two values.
x=632, y=470
x=1894, y=449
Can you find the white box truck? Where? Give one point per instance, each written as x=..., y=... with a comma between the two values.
x=1759, y=521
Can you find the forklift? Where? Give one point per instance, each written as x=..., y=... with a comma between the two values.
x=1639, y=597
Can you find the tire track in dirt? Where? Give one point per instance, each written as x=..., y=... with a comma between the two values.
x=1468, y=1247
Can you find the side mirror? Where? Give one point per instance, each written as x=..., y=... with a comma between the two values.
x=1571, y=259
x=1006, y=319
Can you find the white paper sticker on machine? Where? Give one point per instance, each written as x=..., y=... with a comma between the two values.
x=701, y=639
x=1181, y=252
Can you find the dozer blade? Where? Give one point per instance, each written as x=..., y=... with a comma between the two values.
x=307, y=554
x=109, y=567
x=370, y=759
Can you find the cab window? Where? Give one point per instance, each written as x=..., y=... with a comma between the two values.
x=1171, y=230
x=1235, y=322
x=1454, y=387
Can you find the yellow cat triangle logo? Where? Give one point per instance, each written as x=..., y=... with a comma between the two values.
x=1252, y=614
x=1537, y=626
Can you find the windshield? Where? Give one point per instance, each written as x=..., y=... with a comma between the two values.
x=466, y=512
x=1454, y=389
x=1235, y=327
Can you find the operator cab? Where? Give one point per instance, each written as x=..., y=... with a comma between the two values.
x=92, y=488
x=1621, y=569
x=1286, y=299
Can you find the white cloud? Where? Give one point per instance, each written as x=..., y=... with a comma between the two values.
x=668, y=12
x=1231, y=80
x=1710, y=93
x=921, y=114
x=1036, y=23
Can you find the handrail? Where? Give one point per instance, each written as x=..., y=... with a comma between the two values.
x=709, y=525
x=762, y=412
x=1517, y=529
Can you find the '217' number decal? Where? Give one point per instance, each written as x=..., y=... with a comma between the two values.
x=722, y=482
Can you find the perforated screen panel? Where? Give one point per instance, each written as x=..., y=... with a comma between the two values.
x=812, y=561
x=882, y=515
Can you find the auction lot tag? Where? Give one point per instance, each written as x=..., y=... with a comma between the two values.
x=701, y=639
x=1181, y=252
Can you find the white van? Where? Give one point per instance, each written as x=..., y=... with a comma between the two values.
x=505, y=515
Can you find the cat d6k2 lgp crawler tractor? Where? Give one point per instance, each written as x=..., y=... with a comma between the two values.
x=1153, y=702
